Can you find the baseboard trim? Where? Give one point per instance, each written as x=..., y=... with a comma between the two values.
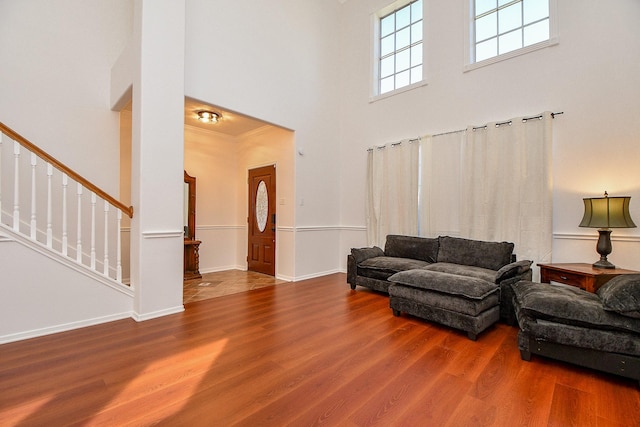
x=314, y=275
x=63, y=327
x=154, y=314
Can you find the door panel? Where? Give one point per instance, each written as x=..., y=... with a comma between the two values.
x=261, y=254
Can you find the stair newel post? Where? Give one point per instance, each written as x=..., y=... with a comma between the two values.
x=93, y=230
x=79, y=225
x=106, y=238
x=119, y=247
x=16, y=187
x=33, y=227
x=49, y=206
x=65, y=185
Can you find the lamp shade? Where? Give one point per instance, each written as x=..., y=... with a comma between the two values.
x=607, y=212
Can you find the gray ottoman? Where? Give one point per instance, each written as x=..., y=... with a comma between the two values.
x=466, y=303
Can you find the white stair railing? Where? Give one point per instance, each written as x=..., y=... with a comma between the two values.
x=37, y=184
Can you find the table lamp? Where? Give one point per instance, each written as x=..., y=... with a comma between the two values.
x=605, y=213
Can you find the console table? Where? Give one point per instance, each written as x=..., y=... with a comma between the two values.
x=581, y=275
x=191, y=259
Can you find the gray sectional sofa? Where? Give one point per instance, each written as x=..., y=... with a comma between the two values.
x=458, y=282
x=600, y=331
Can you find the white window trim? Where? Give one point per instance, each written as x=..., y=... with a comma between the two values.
x=469, y=39
x=374, y=83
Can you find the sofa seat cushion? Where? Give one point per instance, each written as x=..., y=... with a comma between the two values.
x=463, y=270
x=382, y=267
x=445, y=283
x=581, y=337
x=570, y=306
x=622, y=295
x=491, y=255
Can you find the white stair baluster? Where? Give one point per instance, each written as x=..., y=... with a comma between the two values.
x=16, y=187
x=65, y=243
x=49, y=207
x=93, y=230
x=106, y=238
x=79, y=229
x=119, y=248
x=33, y=227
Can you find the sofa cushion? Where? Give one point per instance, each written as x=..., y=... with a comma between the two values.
x=463, y=270
x=430, y=299
x=569, y=306
x=468, y=287
x=382, y=267
x=514, y=269
x=361, y=254
x=422, y=248
x=622, y=295
x=491, y=255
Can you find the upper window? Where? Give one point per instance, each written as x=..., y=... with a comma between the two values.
x=503, y=26
x=399, y=56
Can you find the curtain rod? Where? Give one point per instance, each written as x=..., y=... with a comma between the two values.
x=508, y=122
x=395, y=144
x=524, y=120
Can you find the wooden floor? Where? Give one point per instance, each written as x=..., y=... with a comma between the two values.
x=299, y=354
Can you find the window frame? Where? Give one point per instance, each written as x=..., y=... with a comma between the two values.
x=375, y=51
x=469, y=48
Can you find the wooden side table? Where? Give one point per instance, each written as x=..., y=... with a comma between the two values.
x=581, y=275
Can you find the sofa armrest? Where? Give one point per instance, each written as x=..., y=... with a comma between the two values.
x=351, y=271
x=363, y=254
x=507, y=310
x=518, y=270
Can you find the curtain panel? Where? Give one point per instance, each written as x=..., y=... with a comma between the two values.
x=506, y=185
x=392, y=191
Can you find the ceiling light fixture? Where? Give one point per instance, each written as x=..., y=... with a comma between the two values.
x=206, y=116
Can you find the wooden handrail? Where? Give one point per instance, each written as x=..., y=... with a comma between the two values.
x=74, y=175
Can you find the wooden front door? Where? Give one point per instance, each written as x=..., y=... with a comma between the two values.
x=261, y=254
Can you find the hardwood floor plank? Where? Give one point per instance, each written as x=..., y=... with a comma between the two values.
x=572, y=407
x=307, y=353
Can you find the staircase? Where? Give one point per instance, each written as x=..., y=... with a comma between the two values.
x=50, y=214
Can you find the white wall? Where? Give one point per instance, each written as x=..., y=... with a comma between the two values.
x=220, y=164
x=269, y=145
x=54, y=80
x=41, y=296
x=212, y=159
x=277, y=61
x=54, y=90
x=591, y=75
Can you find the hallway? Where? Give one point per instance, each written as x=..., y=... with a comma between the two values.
x=228, y=282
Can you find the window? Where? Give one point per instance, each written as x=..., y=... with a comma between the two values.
x=503, y=26
x=399, y=47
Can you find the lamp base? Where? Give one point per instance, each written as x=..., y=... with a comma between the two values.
x=603, y=263
x=604, y=248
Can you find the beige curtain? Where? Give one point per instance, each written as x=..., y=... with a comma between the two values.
x=506, y=185
x=392, y=191
x=439, y=201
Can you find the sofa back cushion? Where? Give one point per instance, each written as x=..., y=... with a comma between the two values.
x=422, y=248
x=622, y=295
x=491, y=255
